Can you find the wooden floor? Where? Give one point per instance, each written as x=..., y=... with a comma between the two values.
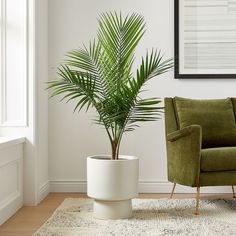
x=28, y=219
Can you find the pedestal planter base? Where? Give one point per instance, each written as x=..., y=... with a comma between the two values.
x=112, y=184
x=112, y=209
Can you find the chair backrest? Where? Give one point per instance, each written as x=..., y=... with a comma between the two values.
x=170, y=116
x=217, y=117
x=234, y=106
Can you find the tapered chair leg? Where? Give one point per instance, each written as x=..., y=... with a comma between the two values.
x=197, y=201
x=173, y=189
x=234, y=196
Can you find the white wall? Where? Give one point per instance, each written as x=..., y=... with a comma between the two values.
x=42, y=98
x=71, y=136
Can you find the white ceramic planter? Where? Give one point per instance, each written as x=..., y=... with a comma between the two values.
x=112, y=184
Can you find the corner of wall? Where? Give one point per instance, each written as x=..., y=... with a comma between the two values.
x=43, y=191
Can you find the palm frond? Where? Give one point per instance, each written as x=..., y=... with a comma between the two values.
x=119, y=39
x=88, y=61
x=76, y=86
x=144, y=110
x=130, y=107
x=101, y=76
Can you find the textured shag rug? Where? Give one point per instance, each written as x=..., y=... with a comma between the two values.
x=151, y=217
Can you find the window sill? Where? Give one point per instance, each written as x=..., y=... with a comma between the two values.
x=10, y=141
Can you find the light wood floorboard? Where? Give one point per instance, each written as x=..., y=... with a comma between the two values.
x=28, y=219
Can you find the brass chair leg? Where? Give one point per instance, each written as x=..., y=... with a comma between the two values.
x=197, y=201
x=234, y=196
x=173, y=189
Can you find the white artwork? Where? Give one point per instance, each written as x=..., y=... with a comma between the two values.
x=206, y=38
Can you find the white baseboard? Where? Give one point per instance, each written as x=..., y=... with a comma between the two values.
x=10, y=206
x=44, y=190
x=166, y=187
x=144, y=187
x=68, y=186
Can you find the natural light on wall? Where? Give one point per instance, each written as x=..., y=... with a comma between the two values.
x=13, y=63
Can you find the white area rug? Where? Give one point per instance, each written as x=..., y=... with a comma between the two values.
x=150, y=217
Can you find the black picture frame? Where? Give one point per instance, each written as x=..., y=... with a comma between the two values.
x=177, y=73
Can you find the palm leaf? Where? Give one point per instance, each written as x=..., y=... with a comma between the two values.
x=119, y=39
x=100, y=76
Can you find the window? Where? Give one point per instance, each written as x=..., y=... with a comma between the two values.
x=13, y=66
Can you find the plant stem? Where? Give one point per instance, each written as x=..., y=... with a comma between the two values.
x=114, y=150
x=115, y=145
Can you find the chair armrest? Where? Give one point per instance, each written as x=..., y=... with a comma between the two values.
x=182, y=133
x=184, y=155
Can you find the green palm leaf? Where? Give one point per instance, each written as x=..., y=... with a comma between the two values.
x=100, y=76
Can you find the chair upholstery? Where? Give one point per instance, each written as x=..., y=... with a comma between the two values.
x=216, y=117
x=201, y=141
x=218, y=159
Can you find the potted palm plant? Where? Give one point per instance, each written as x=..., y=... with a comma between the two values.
x=100, y=76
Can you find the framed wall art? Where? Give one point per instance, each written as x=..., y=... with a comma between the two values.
x=205, y=39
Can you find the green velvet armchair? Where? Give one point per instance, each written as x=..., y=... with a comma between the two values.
x=201, y=142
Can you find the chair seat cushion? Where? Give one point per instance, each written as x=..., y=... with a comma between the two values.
x=218, y=159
